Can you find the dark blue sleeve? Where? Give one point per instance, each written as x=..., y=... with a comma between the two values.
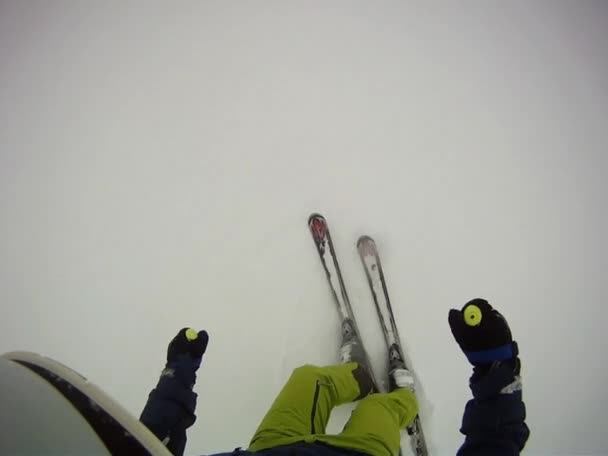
x=494, y=420
x=171, y=405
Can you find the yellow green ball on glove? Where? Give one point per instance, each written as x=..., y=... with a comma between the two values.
x=482, y=333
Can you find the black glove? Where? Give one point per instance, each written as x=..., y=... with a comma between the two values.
x=482, y=333
x=188, y=342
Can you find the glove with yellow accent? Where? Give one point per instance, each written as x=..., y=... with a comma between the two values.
x=188, y=342
x=184, y=356
x=482, y=333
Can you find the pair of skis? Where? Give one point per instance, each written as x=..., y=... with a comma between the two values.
x=375, y=277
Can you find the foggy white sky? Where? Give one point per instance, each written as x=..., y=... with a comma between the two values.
x=158, y=162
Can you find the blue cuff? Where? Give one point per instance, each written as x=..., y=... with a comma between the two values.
x=501, y=353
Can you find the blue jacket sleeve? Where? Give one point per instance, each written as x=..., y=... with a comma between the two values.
x=494, y=420
x=171, y=405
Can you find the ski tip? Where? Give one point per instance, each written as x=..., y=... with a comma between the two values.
x=318, y=228
x=315, y=216
x=364, y=241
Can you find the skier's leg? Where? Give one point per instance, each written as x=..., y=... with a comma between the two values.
x=303, y=406
x=375, y=425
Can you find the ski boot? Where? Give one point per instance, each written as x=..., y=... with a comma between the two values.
x=399, y=376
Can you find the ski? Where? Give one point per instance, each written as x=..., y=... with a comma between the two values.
x=377, y=284
x=322, y=237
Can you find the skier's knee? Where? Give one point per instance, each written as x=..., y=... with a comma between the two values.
x=404, y=396
x=304, y=372
x=404, y=400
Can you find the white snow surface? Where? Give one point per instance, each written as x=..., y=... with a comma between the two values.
x=159, y=160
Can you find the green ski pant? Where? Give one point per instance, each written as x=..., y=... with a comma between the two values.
x=301, y=412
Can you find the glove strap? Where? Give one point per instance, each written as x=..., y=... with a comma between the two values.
x=502, y=353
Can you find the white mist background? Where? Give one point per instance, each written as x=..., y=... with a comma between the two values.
x=159, y=160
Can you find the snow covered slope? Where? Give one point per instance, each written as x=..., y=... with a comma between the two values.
x=158, y=162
